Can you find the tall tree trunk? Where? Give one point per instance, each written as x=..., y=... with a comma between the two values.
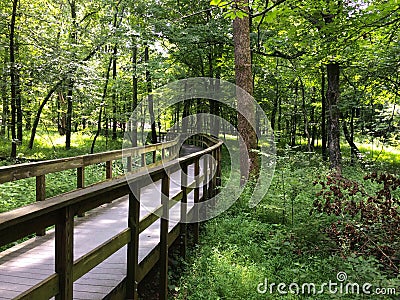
x=103, y=99
x=249, y=165
x=114, y=94
x=13, y=153
x=5, y=104
x=305, y=117
x=68, y=129
x=332, y=97
x=18, y=99
x=323, y=118
x=70, y=81
x=39, y=112
x=133, y=130
x=293, y=126
x=150, y=96
x=276, y=98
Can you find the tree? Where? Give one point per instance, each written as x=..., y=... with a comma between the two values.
x=244, y=80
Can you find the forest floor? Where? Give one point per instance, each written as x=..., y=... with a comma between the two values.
x=245, y=253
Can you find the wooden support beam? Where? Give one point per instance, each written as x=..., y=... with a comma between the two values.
x=129, y=163
x=196, y=202
x=41, y=196
x=64, y=253
x=133, y=246
x=80, y=183
x=164, y=238
x=109, y=169
x=183, y=233
x=143, y=159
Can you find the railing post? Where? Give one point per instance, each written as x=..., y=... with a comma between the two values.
x=41, y=196
x=143, y=159
x=129, y=163
x=109, y=169
x=218, y=173
x=164, y=238
x=206, y=179
x=214, y=178
x=64, y=254
x=80, y=183
x=183, y=230
x=133, y=245
x=80, y=177
x=154, y=156
x=196, y=202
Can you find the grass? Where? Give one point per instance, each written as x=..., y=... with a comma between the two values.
x=277, y=241
x=49, y=144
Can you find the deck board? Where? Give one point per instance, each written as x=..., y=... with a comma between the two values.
x=26, y=264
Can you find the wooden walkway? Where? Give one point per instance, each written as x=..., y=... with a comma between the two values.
x=27, y=264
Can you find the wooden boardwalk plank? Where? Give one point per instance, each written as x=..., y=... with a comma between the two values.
x=25, y=265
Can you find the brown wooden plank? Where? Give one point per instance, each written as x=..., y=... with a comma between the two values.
x=133, y=246
x=64, y=254
x=80, y=177
x=43, y=290
x=108, y=169
x=164, y=238
x=183, y=226
x=41, y=196
x=148, y=263
x=95, y=257
x=196, y=201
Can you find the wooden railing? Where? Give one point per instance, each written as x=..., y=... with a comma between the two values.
x=60, y=211
x=41, y=169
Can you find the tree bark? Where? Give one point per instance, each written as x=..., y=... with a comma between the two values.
x=133, y=130
x=249, y=165
x=68, y=129
x=13, y=153
x=305, y=117
x=323, y=118
x=103, y=99
x=5, y=104
x=114, y=94
x=150, y=96
x=332, y=97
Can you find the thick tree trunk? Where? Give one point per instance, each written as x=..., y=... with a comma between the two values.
x=249, y=165
x=332, y=97
x=150, y=96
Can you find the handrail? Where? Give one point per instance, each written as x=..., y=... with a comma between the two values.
x=34, y=169
x=42, y=168
x=60, y=211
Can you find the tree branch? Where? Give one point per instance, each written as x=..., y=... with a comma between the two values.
x=267, y=9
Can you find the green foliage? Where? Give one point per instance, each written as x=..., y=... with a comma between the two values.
x=241, y=248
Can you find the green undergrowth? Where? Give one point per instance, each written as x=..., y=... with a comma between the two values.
x=50, y=145
x=245, y=250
